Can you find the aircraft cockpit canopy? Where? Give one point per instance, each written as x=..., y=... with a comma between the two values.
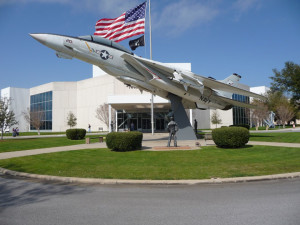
x=104, y=41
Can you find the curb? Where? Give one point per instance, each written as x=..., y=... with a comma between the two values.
x=154, y=182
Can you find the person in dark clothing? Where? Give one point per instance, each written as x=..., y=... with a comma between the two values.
x=196, y=126
x=132, y=126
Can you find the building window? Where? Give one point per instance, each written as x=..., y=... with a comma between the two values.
x=241, y=115
x=42, y=103
x=142, y=121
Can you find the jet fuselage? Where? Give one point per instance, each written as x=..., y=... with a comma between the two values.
x=130, y=69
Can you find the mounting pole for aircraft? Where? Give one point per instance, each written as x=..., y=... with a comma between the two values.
x=152, y=110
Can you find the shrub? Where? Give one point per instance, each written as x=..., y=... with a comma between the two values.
x=241, y=125
x=230, y=137
x=76, y=134
x=123, y=142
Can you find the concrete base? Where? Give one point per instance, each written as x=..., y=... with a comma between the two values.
x=186, y=131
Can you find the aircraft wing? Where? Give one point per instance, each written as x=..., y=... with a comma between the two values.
x=217, y=85
x=187, y=75
x=237, y=103
x=166, y=70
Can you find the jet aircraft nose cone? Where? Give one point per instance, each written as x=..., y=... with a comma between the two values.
x=40, y=37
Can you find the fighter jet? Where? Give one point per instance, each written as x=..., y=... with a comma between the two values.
x=196, y=91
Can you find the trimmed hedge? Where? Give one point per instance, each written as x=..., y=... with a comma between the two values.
x=75, y=134
x=230, y=137
x=125, y=141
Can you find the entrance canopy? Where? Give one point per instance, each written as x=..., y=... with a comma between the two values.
x=138, y=103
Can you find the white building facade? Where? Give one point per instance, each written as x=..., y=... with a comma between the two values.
x=82, y=98
x=19, y=103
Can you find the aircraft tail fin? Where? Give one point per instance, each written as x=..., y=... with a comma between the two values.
x=232, y=79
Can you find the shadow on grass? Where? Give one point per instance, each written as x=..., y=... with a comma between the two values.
x=243, y=147
x=261, y=136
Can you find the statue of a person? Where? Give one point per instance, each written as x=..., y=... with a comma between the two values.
x=173, y=128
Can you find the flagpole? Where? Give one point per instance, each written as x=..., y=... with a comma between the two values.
x=152, y=107
x=150, y=30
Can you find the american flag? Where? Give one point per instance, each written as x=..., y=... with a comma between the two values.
x=130, y=23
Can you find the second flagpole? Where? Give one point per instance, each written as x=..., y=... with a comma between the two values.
x=152, y=106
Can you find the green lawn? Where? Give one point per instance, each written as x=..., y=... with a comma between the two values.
x=9, y=145
x=34, y=133
x=199, y=164
x=277, y=127
x=288, y=137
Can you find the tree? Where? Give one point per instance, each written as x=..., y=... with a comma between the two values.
x=274, y=98
x=215, y=118
x=72, y=120
x=34, y=118
x=285, y=113
x=102, y=113
x=259, y=113
x=287, y=80
x=7, y=117
x=277, y=99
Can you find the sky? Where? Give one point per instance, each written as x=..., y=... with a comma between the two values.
x=218, y=37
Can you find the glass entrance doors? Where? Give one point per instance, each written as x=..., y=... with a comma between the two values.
x=141, y=121
x=146, y=124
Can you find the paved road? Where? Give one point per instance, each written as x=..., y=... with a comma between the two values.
x=25, y=202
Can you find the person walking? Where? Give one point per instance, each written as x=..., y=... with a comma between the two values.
x=196, y=126
x=132, y=126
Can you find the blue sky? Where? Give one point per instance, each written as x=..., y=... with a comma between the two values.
x=219, y=37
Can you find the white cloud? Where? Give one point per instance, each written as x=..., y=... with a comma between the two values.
x=107, y=7
x=174, y=16
x=245, y=5
x=112, y=8
x=182, y=15
x=241, y=7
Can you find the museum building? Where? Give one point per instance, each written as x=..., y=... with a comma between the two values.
x=126, y=105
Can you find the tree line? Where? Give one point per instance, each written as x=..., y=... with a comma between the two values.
x=283, y=98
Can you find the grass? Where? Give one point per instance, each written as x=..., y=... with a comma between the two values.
x=9, y=145
x=199, y=164
x=277, y=127
x=32, y=133
x=288, y=137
